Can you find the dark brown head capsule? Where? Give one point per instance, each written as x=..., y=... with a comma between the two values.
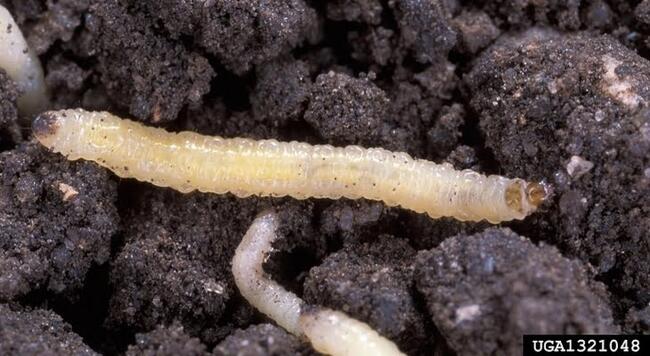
x=45, y=125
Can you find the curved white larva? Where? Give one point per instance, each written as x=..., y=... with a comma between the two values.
x=330, y=332
x=187, y=161
x=334, y=333
x=22, y=65
x=260, y=291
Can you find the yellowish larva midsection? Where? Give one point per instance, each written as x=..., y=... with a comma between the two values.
x=188, y=161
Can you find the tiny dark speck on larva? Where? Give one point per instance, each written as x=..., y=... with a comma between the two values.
x=44, y=125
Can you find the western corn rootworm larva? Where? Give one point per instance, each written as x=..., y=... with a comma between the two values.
x=334, y=333
x=22, y=65
x=262, y=292
x=329, y=331
x=188, y=161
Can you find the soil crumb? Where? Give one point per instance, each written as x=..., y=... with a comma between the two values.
x=485, y=290
x=37, y=332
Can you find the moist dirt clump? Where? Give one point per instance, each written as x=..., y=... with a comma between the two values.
x=469, y=281
x=346, y=110
x=9, y=129
x=148, y=74
x=169, y=271
x=37, y=332
x=57, y=219
x=571, y=110
x=261, y=340
x=372, y=283
x=167, y=341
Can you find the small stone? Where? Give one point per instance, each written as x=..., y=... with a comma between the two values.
x=68, y=192
x=578, y=166
x=467, y=312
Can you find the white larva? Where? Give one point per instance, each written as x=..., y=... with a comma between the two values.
x=329, y=331
x=22, y=65
x=334, y=333
x=188, y=161
x=260, y=291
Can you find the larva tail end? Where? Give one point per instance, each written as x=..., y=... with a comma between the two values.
x=537, y=193
x=524, y=198
x=45, y=125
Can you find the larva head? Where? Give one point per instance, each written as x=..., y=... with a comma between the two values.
x=75, y=133
x=45, y=127
x=524, y=198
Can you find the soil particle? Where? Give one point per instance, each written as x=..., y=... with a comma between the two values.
x=416, y=99
x=464, y=157
x=365, y=11
x=215, y=118
x=642, y=13
x=523, y=13
x=298, y=247
x=372, y=282
x=37, y=332
x=598, y=14
x=23, y=10
x=351, y=221
x=637, y=321
x=424, y=233
x=9, y=130
x=46, y=241
x=59, y=22
x=484, y=291
x=240, y=33
x=475, y=31
x=251, y=32
x=444, y=135
x=376, y=46
x=544, y=98
x=66, y=81
x=167, y=341
x=152, y=76
x=282, y=91
x=177, y=17
x=176, y=261
x=425, y=28
x=262, y=340
x=346, y=110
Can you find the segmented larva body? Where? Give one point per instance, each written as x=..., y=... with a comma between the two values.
x=255, y=286
x=334, y=333
x=188, y=161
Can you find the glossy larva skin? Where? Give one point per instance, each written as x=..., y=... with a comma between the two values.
x=188, y=161
x=259, y=290
x=334, y=333
x=22, y=65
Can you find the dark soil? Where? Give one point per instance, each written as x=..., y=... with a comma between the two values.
x=485, y=290
x=37, y=332
x=9, y=129
x=539, y=89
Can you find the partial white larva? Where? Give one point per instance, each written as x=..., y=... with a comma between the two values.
x=22, y=65
x=329, y=331
x=260, y=291
x=188, y=161
x=334, y=333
